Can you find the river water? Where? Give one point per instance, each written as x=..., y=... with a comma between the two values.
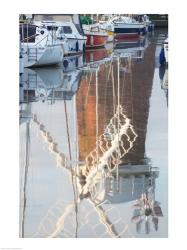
x=93, y=144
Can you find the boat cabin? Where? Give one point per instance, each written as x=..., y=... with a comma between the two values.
x=51, y=20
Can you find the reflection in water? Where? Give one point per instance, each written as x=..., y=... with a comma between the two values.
x=48, y=85
x=104, y=105
x=163, y=74
x=96, y=55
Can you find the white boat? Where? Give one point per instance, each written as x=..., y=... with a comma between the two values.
x=127, y=27
x=68, y=31
x=39, y=46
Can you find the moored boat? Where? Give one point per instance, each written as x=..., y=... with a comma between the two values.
x=126, y=28
x=39, y=46
x=95, y=36
x=68, y=31
x=95, y=40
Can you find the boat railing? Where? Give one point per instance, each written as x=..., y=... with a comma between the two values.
x=26, y=39
x=42, y=40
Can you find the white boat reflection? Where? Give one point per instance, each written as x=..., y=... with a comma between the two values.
x=73, y=63
x=132, y=48
x=48, y=84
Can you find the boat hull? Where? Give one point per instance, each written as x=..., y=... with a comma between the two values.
x=125, y=36
x=94, y=41
x=41, y=56
x=133, y=29
x=74, y=46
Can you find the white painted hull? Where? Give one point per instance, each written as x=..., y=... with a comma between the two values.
x=41, y=56
x=71, y=48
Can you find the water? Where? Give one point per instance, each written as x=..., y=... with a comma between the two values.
x=93, y=145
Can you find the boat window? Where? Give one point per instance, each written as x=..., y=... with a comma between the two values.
x=67, y=30
x=49, y=28
x=60, y=31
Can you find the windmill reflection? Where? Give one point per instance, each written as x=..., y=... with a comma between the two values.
x=111, y=166
x=117, y=170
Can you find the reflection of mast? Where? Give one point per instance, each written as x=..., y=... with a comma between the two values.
x=25, y=114
x=27, y=148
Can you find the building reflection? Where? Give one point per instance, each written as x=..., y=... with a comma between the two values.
x=107, y=99
x=134, y=98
